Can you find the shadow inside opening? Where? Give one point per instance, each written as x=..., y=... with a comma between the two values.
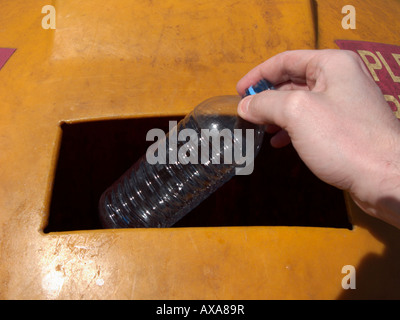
x=281, y=191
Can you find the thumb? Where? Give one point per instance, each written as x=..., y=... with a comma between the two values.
x=272, y=107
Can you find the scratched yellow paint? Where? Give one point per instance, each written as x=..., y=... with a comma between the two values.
x=127, y=59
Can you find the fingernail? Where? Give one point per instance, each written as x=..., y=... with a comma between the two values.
x=244, y=104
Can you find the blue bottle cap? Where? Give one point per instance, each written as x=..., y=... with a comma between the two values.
x=260, y=86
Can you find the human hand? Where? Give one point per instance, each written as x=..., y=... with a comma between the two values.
x=337, y=119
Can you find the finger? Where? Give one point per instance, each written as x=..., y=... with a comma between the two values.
x=281, y=139
x=285, y=66
x=273, y=107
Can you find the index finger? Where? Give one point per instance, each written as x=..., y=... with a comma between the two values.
x=285, y=66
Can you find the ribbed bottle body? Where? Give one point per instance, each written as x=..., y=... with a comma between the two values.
x=158, y=195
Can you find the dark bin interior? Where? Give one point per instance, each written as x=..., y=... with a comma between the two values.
x=281, y=191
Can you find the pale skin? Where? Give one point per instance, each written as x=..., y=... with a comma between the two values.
x=329, y=107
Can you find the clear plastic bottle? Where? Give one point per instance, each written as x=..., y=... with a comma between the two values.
x=158, y=195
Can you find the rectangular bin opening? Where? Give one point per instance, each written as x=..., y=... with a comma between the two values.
x=281, y=191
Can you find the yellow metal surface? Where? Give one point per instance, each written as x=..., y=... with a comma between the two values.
x=127, y=59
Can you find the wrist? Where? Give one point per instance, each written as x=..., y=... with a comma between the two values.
x=379, y=190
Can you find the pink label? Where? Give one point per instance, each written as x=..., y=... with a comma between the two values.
x=383, y=62
x=5, y=54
